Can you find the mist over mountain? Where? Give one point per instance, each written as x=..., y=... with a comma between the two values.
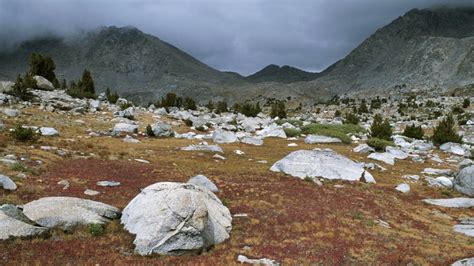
x=429, y=48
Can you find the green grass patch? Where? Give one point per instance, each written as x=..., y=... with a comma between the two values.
x=379, y=144
x=292, y=132
x=296, y=123
x=336, y=131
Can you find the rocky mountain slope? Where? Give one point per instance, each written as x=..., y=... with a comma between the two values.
x=422, y=49
x=124, y=59
x=284, y=74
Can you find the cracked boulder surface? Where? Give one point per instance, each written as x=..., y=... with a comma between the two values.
x=175, y=218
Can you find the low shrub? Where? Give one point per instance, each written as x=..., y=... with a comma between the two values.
x=149, y=131
x=336, y=131
x=413, y=131
x=188, y=122
x=24, y=134
x=379, y=144
x=446, y=132
x=96, y=229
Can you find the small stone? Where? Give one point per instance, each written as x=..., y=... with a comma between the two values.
x=91, y=192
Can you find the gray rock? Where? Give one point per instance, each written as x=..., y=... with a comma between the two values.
x=12, y=227
x=397, y=153
x=67, y=212
x=321, y=163
x=175, y=218
x=90, y=192
x=108, y=183
x=464, y=181
x=452, y=203
x=252, y=141
x=263, y=261
x=203, y=181
x=2, y=125
x=435, y=171
x=464, y=262
x=7, y=183
x=203, y=146
x=383, y=157
x=466, y=226
x=43, y=83
x=162, y=130
x=6, y=86
x=314, y=139
x=222, y=136
x=363, y=148
x=129, y=139
x=11, y=112
x=404, y=188
x=272, y=130
x=124, y=127
x=48, y=131
x=455, y=148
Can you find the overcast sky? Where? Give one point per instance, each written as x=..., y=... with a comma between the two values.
x=240, y=35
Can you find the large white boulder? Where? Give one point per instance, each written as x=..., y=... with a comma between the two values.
x=464, y=181
x=314, y=139
x=67, y=212
x=252, y=141
x=222, y=136
x=175, y=218
x=464, y=262
x=43, y=83
x=321, y=163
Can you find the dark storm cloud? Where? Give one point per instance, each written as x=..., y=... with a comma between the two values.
x=240, y=35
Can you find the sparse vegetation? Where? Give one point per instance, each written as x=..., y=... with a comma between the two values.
x=84, y=88
x=351, y=118
x=248, y=109
x=379, y=144
x=292, y=132
x=278, y=110
x=112, y=97
x=413, y=131
x=24, y=134
x=466, y=103
x=221, y=107
x=96, y=229
x=381, y=128
x=446, y=132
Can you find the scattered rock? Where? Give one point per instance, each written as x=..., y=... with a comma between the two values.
x=363, y=148
x=383, y=157
x=175, y=218
x=464, y=181
x=273, y=130
x=48, y=131
x=91, y=192
x=129, y=139
x=43, y=83
x=162, y=130
x=455, y=148
x=108, y=183
x=11, y=112
x=64, y=183
x=263, y=261
x=67, y=212
x=452, y=203
x=466, y=226
x=252, y=141
x=314, y=139
x=124, y=127
x=203, y=181
x=404, y=188
x=203, y=146
x=222, y=136
x=11, y=226
x=434, y=171
x=321, y=163
x=7, y=183
x=239, y=152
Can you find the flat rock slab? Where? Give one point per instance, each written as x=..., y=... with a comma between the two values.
x=203, y=147
x=11, y=227
x=67, y=212
x=314, y=139
x=452, y=203
x=175, y=218
x=464, y=262
x=321, y=163
x=383, y=157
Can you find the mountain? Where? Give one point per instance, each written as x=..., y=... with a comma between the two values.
x=430, y=48
x=284, y=74
x=127, y=60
